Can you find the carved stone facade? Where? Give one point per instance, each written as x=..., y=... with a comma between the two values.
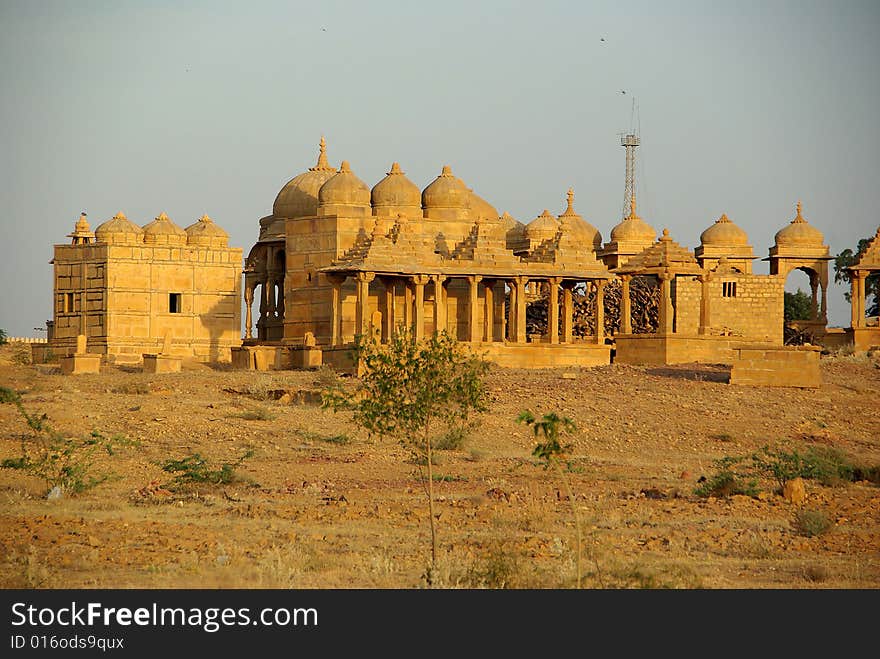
x=338, y=259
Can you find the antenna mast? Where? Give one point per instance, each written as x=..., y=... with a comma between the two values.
x=630, y=141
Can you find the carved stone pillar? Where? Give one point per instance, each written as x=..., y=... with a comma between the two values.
x=248, y=302
x=553, y=310
x=269, y=288
x=279, y=307
x=625, y=305
x=567, y=313
x=600, y=311
x=439, y=303
x=705, y=301
x=520, y=332
x=814, y=303
x=474, y=329
x=666, y=313
x=511, y=313
x=489, y=312
x=419, y=282
x=336, y=282
x=388, y=319
x=407, y=305
x=362, y=317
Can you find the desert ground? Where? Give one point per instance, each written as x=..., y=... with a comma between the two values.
x=312, y=501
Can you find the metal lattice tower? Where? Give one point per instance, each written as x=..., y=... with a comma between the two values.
x=630, y=141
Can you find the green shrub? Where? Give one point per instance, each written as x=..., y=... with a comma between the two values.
x=3, y=336
x=827, y=465
x=727, y=482
x=812, y=523
x=60, y=461
x=196, y=469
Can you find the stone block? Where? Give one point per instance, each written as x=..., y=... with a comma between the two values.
x=161, y=363
x=77, y=364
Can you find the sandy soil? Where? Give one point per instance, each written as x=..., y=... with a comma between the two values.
x=322, y=505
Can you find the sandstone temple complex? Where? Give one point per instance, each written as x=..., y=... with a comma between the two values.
x=337, y=258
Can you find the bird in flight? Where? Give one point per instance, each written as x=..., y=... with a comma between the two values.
x=602, y=39
x=623, y=91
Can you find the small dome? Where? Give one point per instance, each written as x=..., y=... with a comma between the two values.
x=205, y=233
x=799, y=233
x=511, y=224
x=543, y=227
x=446, y=191
x=724, y=232
x=299, y=196
x=82, y=224
x=633, y=229
x=162, y=231
x=395, y=190
x=577, y=228
x=344, y=189
x=119, y=230
x=481, y=209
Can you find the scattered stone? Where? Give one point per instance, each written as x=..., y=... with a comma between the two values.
x=55, y=493
x=795, y=491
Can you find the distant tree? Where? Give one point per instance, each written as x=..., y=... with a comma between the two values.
x=798, y=306
x=846, y=259
x=2, y=337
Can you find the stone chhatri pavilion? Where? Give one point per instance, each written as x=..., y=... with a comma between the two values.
x=337, y=259
x=125, y=291
x=867, y=262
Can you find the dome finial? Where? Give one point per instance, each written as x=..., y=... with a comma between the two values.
x=395, y=168
x=665, y=236
x=570, y=197
x=322, y=165
x=799, y=208
x=723, y=218
x=446, y=171
x=345, y=167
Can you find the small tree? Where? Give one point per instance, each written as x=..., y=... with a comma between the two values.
x=413, y=391
x=847, y=258
x=550, y=452
x=798, y=306
x=2, y=336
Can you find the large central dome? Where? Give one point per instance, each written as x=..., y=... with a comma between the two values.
x=299, y=197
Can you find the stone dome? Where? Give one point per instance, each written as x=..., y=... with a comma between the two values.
x=799, y=233
x=577, y=228
x=119, y=230
x=299, y=196
x=724, y=232
x=633, y=229
x=446, y=191
x=395, y=190
x=480, y=208
x=543, y=227
x=205, y=233
x=344, y=189
x=162, y=231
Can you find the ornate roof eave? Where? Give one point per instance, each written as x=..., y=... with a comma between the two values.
x=466, y=268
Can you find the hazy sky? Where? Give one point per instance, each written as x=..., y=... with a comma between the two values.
x=210, y=107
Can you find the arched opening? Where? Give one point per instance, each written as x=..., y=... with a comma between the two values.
x=801, y=306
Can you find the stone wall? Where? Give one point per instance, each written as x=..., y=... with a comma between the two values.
x=777, y=367
x=128, y=306
x=754, y=312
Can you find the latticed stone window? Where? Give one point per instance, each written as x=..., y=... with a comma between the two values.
x=728, y=289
